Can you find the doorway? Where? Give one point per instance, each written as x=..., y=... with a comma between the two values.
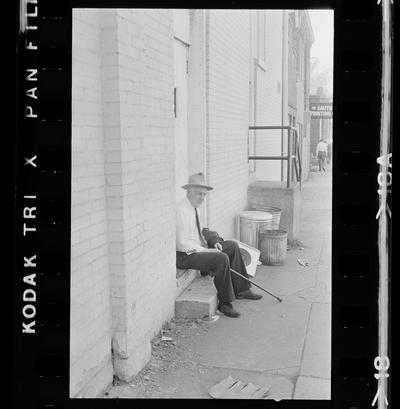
x=181, y=98
x=181, y=55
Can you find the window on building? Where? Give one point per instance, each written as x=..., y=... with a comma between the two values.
x=292, y=120
x=300, y=129
x=300, y=65
x=295, y=59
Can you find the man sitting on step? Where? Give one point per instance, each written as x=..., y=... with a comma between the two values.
x=202, y=249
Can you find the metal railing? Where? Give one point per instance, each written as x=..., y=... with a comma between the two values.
x=293, y=156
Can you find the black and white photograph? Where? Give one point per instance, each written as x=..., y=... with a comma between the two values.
x=201, y=203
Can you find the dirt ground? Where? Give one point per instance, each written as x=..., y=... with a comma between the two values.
x=172, y=370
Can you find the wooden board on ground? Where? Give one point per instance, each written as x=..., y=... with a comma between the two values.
x=230, y=388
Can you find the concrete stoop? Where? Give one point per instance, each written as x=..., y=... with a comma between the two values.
x=184, y=278
x=198, y=300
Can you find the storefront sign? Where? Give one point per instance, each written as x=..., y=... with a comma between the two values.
x=322, y=110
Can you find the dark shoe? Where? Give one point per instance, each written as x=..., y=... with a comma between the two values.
x=249, y=295
x=228, y=310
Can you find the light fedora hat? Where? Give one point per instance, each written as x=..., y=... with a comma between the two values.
x=197, y=180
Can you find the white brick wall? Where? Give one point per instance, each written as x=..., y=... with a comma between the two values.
x=147, y=138
x=90, y=306
x=123, y=205
x=228, y=116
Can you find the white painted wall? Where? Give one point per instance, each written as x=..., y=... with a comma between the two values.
x=197, y=96
x=269, y=101
x=123, y=192
x=227, y=116
x=90, y=322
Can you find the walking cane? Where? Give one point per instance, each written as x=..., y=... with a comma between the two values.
x=272, y=295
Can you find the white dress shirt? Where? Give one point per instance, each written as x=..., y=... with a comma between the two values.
x=187, y=235
x=322, y=147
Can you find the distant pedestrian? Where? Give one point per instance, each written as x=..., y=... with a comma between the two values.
x=321, y=153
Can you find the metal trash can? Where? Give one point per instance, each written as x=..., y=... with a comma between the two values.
x=273, y=247
x=251, y=224
x=275, y=211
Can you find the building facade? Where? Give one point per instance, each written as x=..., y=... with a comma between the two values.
x=158, y=95
x=282, y=85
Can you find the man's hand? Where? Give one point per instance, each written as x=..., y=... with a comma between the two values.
x=211, y=250
x=218, y=246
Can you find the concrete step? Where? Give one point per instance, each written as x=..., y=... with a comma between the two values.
x=184, y=278
x=198, y=300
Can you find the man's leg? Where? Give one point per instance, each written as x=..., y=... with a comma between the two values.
x=232, y=249
x=240, y=286
x=217, y=265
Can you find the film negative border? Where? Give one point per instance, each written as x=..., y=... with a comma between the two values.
x=43, y=203
x=44, y=200
x=356, y=316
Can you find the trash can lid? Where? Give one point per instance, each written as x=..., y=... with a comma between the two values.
x=256, y=215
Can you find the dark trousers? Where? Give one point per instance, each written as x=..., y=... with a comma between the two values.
x=321, y=160
x=217, y=265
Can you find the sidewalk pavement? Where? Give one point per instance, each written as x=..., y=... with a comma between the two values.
x=284, y=346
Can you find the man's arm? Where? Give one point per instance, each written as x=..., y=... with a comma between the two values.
x=211, y=237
